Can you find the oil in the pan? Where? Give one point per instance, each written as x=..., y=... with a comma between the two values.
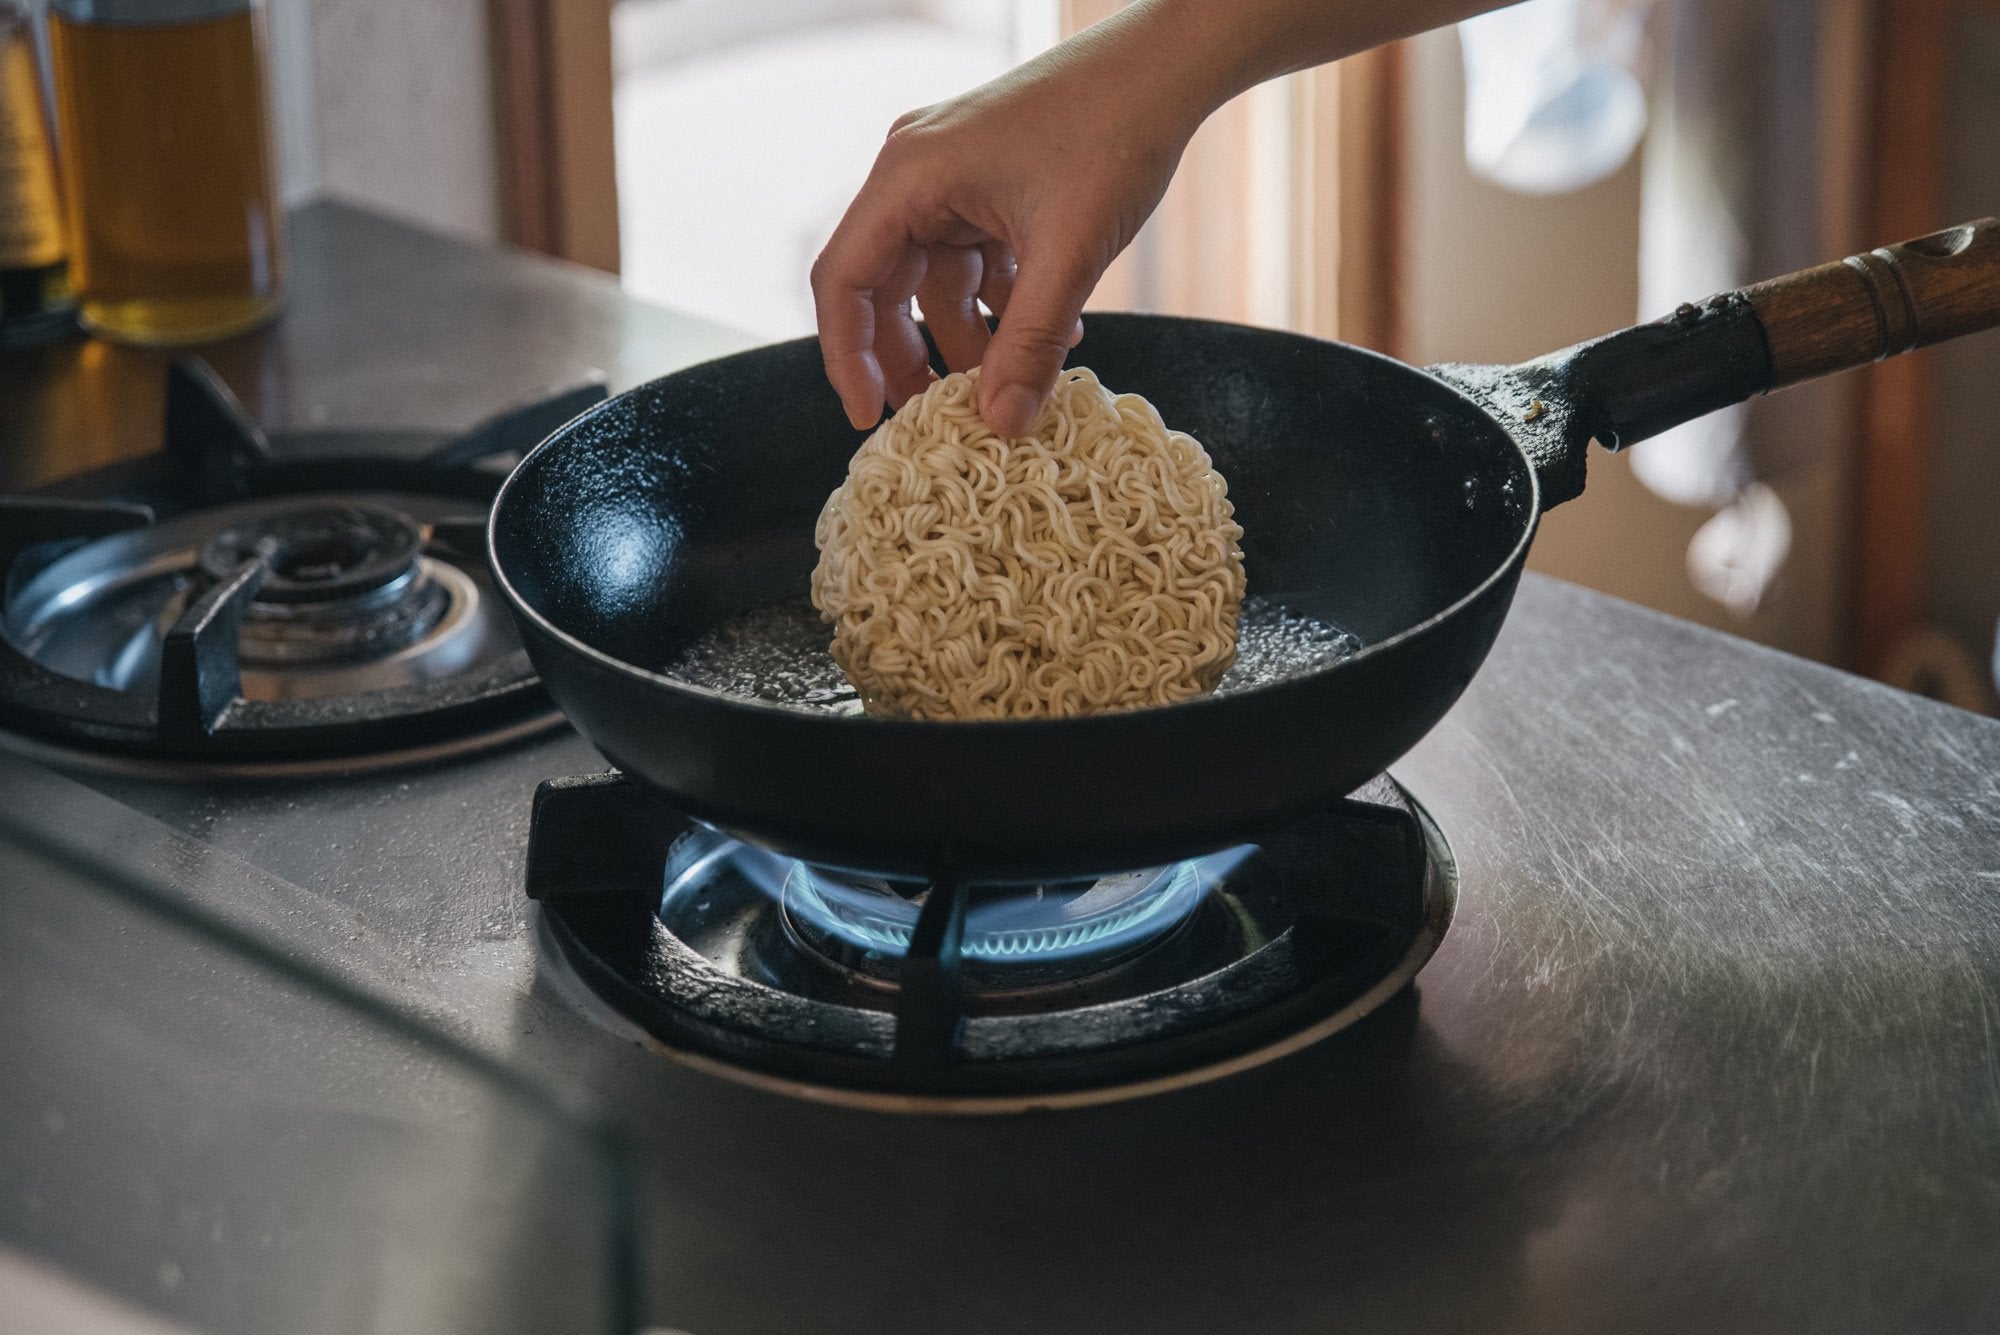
x=1274, y=643
x=779, y=653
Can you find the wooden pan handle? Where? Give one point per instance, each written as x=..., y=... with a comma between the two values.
x=1888, y=301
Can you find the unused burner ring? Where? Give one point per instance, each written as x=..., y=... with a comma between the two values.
x=374, y=625
x=440, y=668
x=321, y=553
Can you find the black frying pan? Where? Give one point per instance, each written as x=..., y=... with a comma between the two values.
x=1395, y=502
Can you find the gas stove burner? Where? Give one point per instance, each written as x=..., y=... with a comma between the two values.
x=1015, y=937
x=347, y=582
x=963, y=997
x=106, y=613
x=236, y=608
x=344, y=583
x=321, y=553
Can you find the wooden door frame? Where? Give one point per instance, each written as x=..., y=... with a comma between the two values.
x=552, y=87
x=1912, y=93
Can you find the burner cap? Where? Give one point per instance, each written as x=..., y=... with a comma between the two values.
x=320, y=553
x=348, y=583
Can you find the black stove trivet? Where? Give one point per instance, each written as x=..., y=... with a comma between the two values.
x=213, y=456
x=1316, y=926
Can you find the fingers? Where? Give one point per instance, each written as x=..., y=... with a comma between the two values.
x=949, y=294
x=1037, y=330
x=899, y=344
x=997, y=271
x=847, y=347
x=874, y=353
x=843, y=285
x=996, y=284
x=862, y=283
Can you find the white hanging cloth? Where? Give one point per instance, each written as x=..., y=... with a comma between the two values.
x=1729, y=195
x=1554, y=98
x=1558, y=95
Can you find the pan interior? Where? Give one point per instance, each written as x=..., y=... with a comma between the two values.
x=1371, y=497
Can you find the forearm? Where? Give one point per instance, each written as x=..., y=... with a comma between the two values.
x=1211, y=50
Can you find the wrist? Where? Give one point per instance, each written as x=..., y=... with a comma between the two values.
x=1174, y=62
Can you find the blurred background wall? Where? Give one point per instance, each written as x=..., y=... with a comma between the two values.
x=389, y=103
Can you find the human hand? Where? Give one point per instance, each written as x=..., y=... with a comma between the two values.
x=1019, y=194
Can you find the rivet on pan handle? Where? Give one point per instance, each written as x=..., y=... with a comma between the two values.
x=1882, y=303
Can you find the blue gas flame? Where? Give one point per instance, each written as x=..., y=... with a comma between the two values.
x=1004, y=924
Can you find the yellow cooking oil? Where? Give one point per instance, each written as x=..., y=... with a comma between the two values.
x=168, y=166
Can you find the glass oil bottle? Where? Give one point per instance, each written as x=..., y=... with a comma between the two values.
x=169, y=166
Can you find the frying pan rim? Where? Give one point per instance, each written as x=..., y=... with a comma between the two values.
x=1107, y=719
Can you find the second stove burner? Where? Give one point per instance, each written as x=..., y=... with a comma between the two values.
x=243, y=604
x=347, y=583
x=320, y=552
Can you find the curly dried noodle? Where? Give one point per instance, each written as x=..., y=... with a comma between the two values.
x=1092, y=564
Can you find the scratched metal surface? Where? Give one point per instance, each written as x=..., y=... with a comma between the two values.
x=1731, y=948
x=1711, y=1043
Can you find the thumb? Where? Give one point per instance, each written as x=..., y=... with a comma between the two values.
x=1037, y=330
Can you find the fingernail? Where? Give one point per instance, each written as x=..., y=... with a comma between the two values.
x=1013, y=410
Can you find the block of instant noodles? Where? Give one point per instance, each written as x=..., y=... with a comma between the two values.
x=1092, y=564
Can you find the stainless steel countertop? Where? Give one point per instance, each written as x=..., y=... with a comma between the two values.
x=1711, y=1043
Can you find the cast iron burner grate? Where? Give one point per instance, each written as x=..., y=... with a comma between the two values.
x=220, y=603
x=1293, y=938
